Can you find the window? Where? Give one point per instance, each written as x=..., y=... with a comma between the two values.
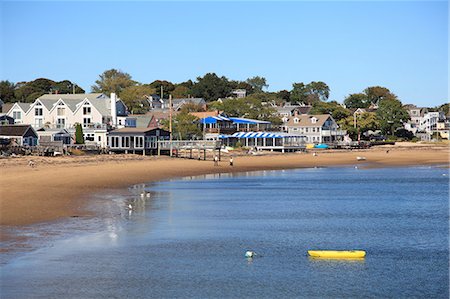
x=313, y=120
x=99, y=138
x=38, y=111
x=125, y=141
x=306, y=130
x=61, y=111
x=17, y=114
x=86, y=121
x=313, y=130
x=86, y=110
x=61, y=123
x=295, y=120
x=139, y=141
x=38, y=122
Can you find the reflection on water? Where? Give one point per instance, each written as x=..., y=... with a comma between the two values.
x=187, y=239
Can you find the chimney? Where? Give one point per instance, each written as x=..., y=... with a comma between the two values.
x=113, y=109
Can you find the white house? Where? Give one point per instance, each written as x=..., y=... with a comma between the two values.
x=95, y=112
x=430, y=120
x=320, y=128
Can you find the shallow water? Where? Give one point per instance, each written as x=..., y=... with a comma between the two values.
x=189, y=238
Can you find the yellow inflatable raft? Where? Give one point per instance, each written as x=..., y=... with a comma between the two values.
x=337, y=254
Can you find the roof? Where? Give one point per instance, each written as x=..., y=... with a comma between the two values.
x=204, y=114
x=239, y=120
x=305, y=120
x=24, y=106
x=214, y=119
x=142, y=120
x=289, y=109
x=6, y=107
x=14, y=130
x=99, y=100
x=133, y=130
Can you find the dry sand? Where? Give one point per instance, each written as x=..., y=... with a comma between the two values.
x=60, y=187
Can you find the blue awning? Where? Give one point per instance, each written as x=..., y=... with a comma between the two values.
x=214, y=119
x=255, y=135
x=238, y=120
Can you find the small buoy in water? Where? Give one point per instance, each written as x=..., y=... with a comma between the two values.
x=356, y=167
x=130, y=207
x=249, y=254
x=148, y=194
x=444, y=174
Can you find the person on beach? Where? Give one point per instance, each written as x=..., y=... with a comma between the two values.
x=216, y=161
x=231, y=161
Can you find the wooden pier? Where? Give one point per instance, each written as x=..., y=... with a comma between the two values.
x=192, y=149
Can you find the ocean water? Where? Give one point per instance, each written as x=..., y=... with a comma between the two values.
x=188, y=239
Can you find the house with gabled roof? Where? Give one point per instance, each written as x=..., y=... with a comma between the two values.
x=23, y=135
x=321, y=128
x=66, y=110
x=96, y=112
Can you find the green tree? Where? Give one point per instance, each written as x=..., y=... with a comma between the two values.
x=364, y=122
x=298, y=93
x=318, y=91
x=257, y=83
x=167, y=87
x=357, y=100
x=79, y=139
x=284, y=95
x=184, y=126
x=211, y=87
x=444, y=108
x=391, y=115
x=250, y=107
x=309, y=93
x=376, y=94
x=113, y=81
x=7, y=91
x=181, y=91
x=333, y=108
x=65, y=87
x=135, y=98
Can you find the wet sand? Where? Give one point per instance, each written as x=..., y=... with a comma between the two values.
x=59, y=187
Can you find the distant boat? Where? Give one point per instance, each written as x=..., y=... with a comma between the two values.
x=361, y=158
x=337, y=254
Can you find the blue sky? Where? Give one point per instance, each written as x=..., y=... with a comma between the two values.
x=349, y=45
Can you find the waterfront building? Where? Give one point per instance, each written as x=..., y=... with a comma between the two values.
x=320, y=128
x=23, y=135
x=136, y=140
x=96, y=112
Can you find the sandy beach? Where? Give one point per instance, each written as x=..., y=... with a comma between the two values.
x=59, y=187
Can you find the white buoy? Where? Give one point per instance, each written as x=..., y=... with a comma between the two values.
x=148, y=194
x=249, y=254
x=143, y=194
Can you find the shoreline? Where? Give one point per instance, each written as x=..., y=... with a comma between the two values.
x=58, y=188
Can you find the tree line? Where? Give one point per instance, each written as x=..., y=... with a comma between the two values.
x=258, y=103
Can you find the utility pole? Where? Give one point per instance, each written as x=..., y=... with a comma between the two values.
x=162, y=92
x=170, y=121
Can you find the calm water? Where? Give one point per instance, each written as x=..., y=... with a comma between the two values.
x=188, y=240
